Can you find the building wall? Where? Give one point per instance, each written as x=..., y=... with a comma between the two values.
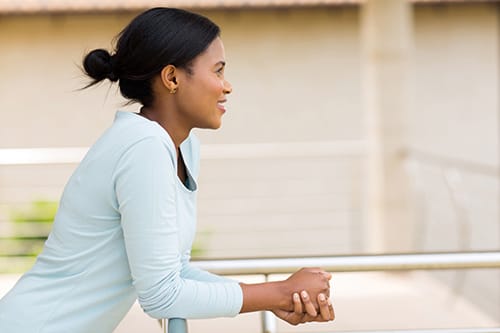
x=277, y=70
x=456, y=115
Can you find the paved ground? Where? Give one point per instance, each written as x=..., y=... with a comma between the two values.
x=363, y=301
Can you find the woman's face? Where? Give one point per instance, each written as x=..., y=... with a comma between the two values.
x=202, y=89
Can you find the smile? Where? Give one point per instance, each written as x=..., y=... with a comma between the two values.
x=220, y=106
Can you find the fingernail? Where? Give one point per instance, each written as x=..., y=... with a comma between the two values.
x=321, y=297
x=296, y=297
x=304, y=294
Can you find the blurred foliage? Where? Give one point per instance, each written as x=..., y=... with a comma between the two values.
x=36, y=211
x=200, y=243
x=30, y=228
x=30, y=225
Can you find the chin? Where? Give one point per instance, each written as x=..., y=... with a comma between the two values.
x=216, y=126
x=212, y=126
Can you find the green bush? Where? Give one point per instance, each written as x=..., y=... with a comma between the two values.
x=36, y=211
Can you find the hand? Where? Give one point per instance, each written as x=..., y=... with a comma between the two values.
x=277, y=294
x=303, y=302
x=313, y=279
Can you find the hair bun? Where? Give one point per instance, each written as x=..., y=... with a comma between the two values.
x=98, y=64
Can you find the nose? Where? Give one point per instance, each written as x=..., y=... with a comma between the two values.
x=227, y=87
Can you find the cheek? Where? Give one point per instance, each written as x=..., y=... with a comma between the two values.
x=216, y=86
x=202, y=93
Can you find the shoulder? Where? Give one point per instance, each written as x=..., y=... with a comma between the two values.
x=132, y=132
x=134, y=127
x=131, y=138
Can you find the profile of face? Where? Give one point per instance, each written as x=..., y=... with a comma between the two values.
x=201, y=88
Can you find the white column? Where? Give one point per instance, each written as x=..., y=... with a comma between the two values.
x=387, y=48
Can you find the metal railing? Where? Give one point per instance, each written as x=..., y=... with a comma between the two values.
x=364, y=263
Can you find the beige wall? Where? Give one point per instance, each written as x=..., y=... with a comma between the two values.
x=38, y=62
x=456, y=114
x=277, y=71
x=456, y=110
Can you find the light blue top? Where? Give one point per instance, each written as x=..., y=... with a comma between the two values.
x=123, y=231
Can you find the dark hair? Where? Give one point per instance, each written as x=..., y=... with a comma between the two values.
x=154, y=39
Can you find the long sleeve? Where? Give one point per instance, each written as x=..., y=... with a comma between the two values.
x=145, y=185
x=195, y=273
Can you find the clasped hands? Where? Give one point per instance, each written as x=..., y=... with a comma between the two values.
x=310, y=298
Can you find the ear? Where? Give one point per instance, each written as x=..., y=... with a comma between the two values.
x=168, y=77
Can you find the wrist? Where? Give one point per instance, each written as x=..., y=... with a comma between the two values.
x=285, y=295
x=266, y=296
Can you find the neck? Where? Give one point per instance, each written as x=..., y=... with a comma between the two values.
x=166, y=120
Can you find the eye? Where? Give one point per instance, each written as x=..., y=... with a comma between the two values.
x=220, y=71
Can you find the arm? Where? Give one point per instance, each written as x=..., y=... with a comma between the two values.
x=146, y=194
x=265, y=296
x=276, y=296
x=145, y=183
x=272, y=296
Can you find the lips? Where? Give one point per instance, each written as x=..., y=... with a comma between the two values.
x=220, y=105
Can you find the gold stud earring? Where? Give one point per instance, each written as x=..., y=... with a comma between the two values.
x=173, y=90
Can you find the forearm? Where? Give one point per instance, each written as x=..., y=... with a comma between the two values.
x=265, y=296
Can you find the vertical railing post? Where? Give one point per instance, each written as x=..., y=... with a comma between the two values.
x=175, y=325
x=268, y=319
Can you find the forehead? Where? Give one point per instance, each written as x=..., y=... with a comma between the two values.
x=212, y=55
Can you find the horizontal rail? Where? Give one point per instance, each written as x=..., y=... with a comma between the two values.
x=387, y=262
x=283, y=149
x=37, y=156
x=72, y=155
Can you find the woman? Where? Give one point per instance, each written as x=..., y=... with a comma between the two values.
x=126, y=219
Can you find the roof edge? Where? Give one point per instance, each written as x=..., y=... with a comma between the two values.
x=96, y=6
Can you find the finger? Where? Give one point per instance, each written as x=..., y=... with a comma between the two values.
x=297, y=304
x=324, y=307
x=330, y=307
x=310, y=309
x=328, y=275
